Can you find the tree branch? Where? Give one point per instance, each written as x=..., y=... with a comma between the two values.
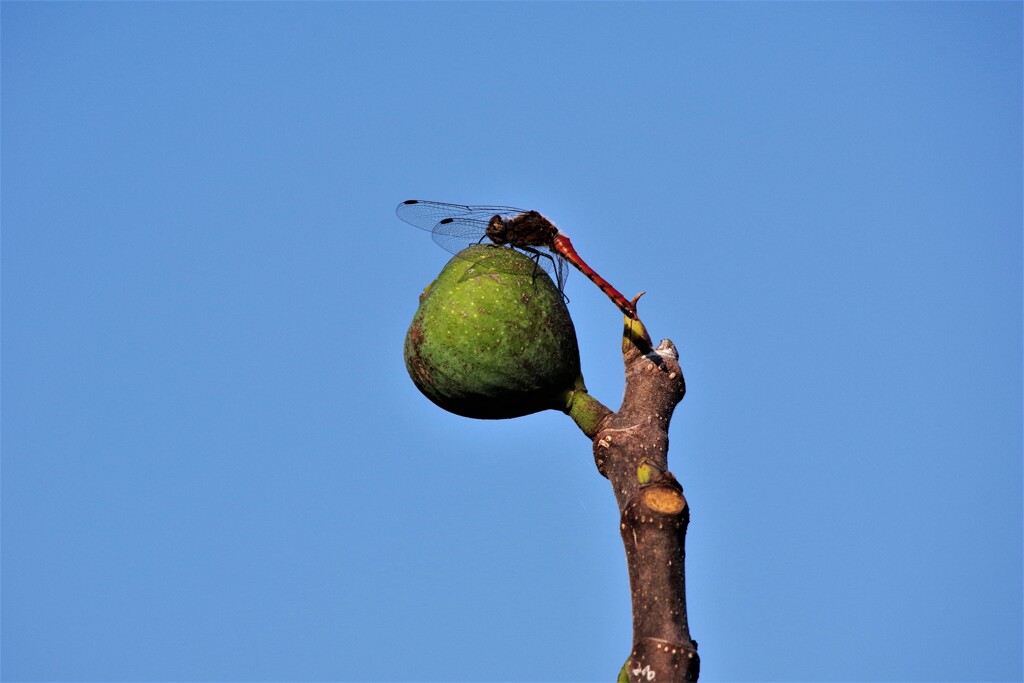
x=631, y=450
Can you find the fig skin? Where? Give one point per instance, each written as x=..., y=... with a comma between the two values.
x=492, y=338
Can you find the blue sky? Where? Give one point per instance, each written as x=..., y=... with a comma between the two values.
x=214, y=466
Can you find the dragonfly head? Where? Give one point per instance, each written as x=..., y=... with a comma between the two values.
x=496, y=231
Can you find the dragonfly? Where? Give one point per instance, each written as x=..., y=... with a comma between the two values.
x=456, y=226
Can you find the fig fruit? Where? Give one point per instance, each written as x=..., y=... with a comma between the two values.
x=492, y=338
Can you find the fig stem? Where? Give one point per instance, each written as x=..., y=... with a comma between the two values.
x=585, y=410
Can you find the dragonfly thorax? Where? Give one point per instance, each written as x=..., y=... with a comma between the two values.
x=526, y=229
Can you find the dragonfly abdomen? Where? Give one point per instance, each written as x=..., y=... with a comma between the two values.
x=563, y=246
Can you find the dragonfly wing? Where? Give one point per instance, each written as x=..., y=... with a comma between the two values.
x=549, y=261
x=457, y=226
x=426, y=215
x=455, y=235
x=560, y=272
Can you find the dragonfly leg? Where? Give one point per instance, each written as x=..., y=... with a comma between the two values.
x=537, y=256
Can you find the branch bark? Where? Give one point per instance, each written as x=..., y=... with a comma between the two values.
x=631, y=450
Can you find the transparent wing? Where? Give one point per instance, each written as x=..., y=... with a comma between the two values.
x=455, y=234
x=454, y=226
x=551, y=262
x=457, y=226
x=433, y=216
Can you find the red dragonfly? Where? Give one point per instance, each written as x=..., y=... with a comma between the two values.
x=455, y=227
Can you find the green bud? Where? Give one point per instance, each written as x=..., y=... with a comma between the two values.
x=623, y=676
x=493, y=339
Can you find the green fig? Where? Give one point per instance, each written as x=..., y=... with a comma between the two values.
x=492, y=338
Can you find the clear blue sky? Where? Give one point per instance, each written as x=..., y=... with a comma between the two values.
x=215, y=467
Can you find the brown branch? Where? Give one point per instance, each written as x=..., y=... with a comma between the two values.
x=631, y=450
